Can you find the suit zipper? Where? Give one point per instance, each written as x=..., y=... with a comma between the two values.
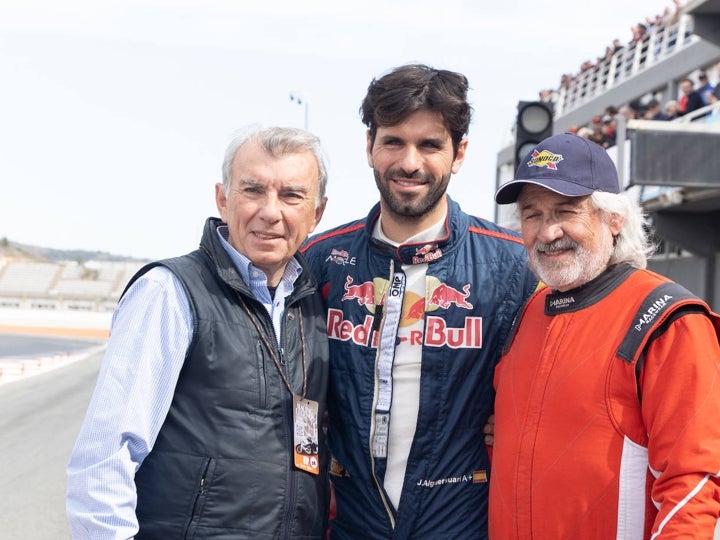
x=378, y=485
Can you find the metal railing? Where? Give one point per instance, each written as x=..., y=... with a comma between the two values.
x=659, y=43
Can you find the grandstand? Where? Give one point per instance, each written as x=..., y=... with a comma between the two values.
x=671, y=166
x=26, y=283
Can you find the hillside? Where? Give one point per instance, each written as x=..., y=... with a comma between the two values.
x=15, y=250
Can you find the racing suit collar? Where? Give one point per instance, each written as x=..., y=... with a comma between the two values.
x=417, y=251
x=588, y=294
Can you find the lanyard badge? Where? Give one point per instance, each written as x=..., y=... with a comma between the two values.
x=305, y=422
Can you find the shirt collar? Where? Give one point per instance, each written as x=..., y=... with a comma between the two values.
x=248, y=271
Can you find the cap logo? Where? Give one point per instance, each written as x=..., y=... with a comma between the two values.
x=545, y=159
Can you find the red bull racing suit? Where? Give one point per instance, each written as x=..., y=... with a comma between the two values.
x=476, y=281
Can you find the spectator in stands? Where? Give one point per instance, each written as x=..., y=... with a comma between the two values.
x=585, y=132
x=216, y=360
x=654, y=111
x=705, y=89
x=690, y=100
x=639, y=31
x=630, y=111
x=609, y=52
x=586, y=66
x=714, y=96
x=608, y=131
x=547, y=95
x=654, y=22
x=667, y=17
x=596, y=128
x=671, y=110
x=567, y=80
x=672, y=18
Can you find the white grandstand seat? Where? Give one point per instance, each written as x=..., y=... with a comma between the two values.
x=25, y=278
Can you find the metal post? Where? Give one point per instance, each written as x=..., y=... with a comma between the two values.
x=620, y=138
x=303, y=103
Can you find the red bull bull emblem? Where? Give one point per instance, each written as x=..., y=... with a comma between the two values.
x=427, y=253
x=444, y=296
x=364, y=293
x=545, y=159
x=416, y=311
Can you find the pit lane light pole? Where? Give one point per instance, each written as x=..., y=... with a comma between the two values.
x=303, y=103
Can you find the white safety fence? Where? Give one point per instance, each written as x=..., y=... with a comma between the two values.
x=13, y=369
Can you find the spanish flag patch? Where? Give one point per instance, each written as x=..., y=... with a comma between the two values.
x=479, y=477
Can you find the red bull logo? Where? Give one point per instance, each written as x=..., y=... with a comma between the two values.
x=343, y=330
x=439, y=295
x=427, y=248
x=545, y=159
x=437, y=332
x=444, y=296
x=364, y=293
x=416, y=310
x=340, y=256
x=427, y=253
x=433, y=331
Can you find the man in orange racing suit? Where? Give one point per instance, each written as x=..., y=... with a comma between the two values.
x=608, y=392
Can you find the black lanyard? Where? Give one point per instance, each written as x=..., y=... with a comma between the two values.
x=272, y=350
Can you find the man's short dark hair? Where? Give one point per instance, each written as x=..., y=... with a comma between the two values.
x=407, y=89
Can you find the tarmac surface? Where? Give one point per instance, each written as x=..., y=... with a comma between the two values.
x=40, y=417
x=48, y=367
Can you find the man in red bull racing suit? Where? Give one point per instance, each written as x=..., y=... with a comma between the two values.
x=420, y=297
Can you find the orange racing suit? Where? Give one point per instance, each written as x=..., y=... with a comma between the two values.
x=608, y=414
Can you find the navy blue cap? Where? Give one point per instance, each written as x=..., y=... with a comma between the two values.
x=566, y=164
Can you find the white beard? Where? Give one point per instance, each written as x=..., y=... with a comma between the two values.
x=572, y=271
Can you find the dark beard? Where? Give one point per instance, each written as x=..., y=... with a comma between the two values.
x=408, y=209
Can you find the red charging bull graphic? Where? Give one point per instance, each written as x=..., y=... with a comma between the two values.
x=444, y=296
x=364, y=293
x=416, y=310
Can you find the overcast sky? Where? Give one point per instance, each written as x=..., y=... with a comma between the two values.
x=114, y=115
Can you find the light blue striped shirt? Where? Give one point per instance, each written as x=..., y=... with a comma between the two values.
x=151, y=331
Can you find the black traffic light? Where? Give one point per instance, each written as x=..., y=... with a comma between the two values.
x=534, y=123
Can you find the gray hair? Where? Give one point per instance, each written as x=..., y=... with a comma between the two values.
x=278, y=141
x=632, y=244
